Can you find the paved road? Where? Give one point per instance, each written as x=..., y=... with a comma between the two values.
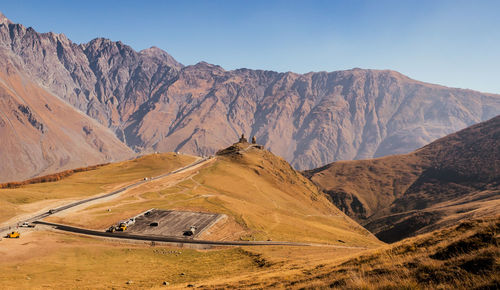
x=36, y=220
x=77, y=203
x=167, y=239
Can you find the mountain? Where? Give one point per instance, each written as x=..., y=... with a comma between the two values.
x=153, y=103
x=453, y=178
x=41, y=133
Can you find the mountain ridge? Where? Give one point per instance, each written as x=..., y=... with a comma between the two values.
x=450, y=179
x=153, y=103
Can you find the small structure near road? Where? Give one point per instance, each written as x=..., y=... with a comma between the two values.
x=27, y=225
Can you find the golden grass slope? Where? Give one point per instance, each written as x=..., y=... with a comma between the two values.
x=465, y=256
x=35, y=197
x=262, y=196
x=45, y=259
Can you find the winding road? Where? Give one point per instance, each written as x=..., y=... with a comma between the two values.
x=87, y=200
x=166, y=239
x=37, y=220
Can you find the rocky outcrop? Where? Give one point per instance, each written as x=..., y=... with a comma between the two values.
x=152, y=102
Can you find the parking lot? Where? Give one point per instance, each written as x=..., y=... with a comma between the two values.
x=172, y=223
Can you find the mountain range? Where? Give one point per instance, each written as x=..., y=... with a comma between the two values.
x=140, y=102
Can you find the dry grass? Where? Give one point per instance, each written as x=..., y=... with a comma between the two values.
x=362, y=188
x=451, y=179
x=34, y=197
x=59, y=261
x=462, y=257
x=263, y=197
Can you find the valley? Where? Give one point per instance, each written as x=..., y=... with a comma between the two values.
x=123, y=168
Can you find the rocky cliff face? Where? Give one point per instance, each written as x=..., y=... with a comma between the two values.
x=151, y=102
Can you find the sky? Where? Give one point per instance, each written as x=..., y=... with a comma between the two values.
x=453, y=43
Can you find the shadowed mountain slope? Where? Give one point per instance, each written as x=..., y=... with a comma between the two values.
x=453, y=178
x=152, y=102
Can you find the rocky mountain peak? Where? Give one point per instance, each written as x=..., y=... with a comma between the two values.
x=159, y=53
x=153, y=50
x=152, y=102
x=205, y=66
x=4, y=20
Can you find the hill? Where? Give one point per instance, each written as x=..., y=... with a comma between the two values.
x=453, y=178
x=153, y=103
x=29, y=199
x=464, y=256
x=263, y=197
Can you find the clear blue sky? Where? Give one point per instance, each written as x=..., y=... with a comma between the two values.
x=455, y=43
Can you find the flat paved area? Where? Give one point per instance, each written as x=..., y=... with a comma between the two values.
x=172, y=223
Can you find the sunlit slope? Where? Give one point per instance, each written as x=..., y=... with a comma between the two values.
x=262, y=196
x=35, y=197
x=46, y=259
x=465, y=256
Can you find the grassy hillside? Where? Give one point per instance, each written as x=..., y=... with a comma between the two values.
x=262, y=196
x=465, y=256
x=57, y=260
x=453, y=178
x=34, y=197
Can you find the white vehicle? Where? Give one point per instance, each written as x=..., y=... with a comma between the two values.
x=25, y=225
